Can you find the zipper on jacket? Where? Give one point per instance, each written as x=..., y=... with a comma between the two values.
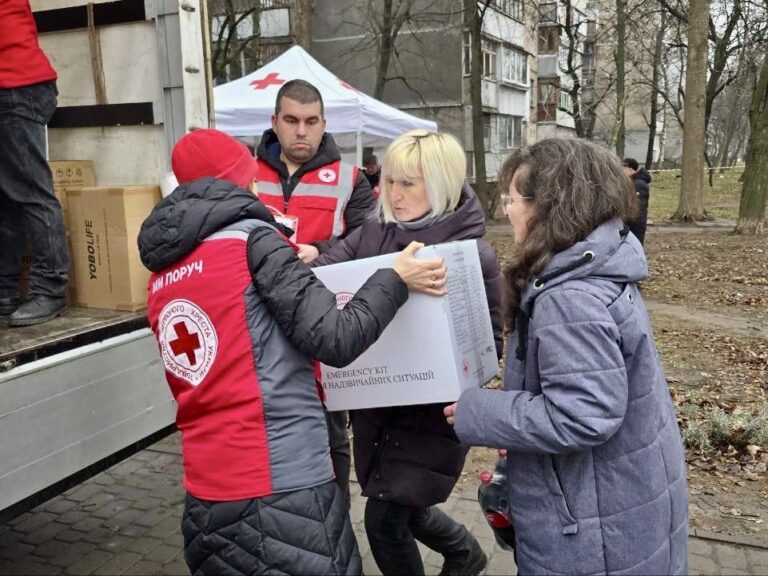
x=562, y=489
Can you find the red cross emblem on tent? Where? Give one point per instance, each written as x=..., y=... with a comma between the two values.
x=270, y=79
x=465, y=367
x=188, y=341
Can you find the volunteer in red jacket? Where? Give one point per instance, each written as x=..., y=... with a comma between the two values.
x=300, y=173
x=28, y=207
x=239, y=319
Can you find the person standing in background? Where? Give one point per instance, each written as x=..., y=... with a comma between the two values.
x=301, y=174
x=373, y=173
x=641, y=180
x=28, y=206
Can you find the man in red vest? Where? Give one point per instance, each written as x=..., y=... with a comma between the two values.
x=28, y=207
x=300, y=173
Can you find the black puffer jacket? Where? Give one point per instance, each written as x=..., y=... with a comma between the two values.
x=302, y=532
x=409, y=454
x=642, y=181
x=302, y=526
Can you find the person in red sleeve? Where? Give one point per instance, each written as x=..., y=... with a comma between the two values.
x=239, y=320
x=28, y=206
x=301, y=174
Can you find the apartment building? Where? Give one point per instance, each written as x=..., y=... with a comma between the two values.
x=428, y=74
x=566, y=47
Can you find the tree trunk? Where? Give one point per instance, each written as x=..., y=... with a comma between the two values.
x=475, y=20
x=621, y=104
x=691, y=205
x=722, y=157
x=657, y=52
x=754, y=192
x=574, y=71
x=303, y=18
x=720, y=56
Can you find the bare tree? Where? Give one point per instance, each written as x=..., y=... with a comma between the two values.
x=655, y=88
x=303, y=12
x=229, y=41
x=238, y=32
x=722, y=30
x=620, y=57
x=729, y=119
x=691, y=205
x=475, y=12
x=581, y=69
x=754, y=192
x=380, y=25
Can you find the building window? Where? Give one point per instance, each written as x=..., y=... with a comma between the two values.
x=566, y=103
x=549, y=39
x=549, y=94
x=487, y=132
x=510, y=132
x=489, y=52
x=548, y=13
x=512, y=8
x=221, y=28
x=502, y=132
x=514, y=66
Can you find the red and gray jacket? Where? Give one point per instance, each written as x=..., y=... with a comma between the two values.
x=238, y=318
x=329, y=197
x=23, y=63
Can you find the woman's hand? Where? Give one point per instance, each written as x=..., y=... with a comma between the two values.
x=450, y=413
x=307, y=253
x=426, y=276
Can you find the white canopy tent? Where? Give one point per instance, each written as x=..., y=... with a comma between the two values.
x=244, y=107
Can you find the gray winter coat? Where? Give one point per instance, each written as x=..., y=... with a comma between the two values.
x=596, y=468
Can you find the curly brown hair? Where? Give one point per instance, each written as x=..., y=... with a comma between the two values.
x=574, y=186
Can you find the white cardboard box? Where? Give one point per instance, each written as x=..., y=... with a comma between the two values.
x=434, y=347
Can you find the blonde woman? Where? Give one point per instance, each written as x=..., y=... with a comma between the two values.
x=408, y=458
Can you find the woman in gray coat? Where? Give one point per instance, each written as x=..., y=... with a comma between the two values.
x=596, y=469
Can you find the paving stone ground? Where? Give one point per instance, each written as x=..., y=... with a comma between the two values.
x=126, y=520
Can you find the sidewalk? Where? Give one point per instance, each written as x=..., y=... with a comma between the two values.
x=126, y=521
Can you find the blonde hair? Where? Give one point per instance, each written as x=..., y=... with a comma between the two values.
x=436, y=157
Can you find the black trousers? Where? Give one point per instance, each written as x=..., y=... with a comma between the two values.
x=393, y=530
x=28, y=207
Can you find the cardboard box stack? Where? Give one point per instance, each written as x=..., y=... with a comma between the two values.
x=432, y=350
x=69, y=174
x=104, y=223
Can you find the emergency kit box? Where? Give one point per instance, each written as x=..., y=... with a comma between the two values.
x=434, y=348
x=69, y=174
x=104, y=225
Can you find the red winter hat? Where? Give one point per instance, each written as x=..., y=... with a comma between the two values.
x=212, y=153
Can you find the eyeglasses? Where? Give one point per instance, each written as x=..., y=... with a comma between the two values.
x=507, y=199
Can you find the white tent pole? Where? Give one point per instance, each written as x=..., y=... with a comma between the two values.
x=359, y=149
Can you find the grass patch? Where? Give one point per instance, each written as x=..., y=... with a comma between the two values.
x=711, y=428
x=720, y=201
